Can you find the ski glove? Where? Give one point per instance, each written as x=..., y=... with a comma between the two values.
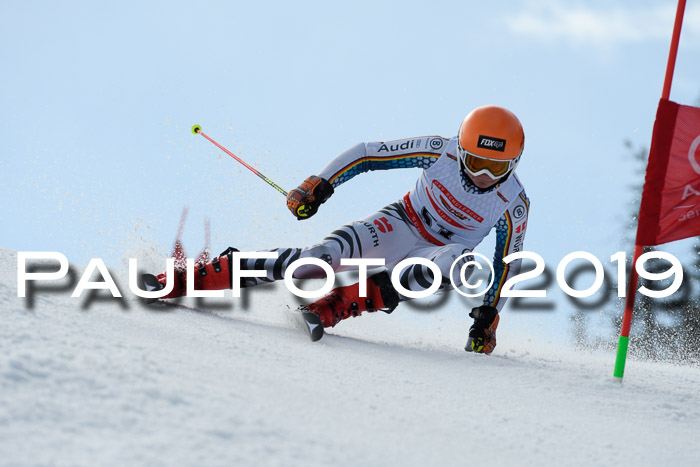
x=482, y=334
x=305, y=200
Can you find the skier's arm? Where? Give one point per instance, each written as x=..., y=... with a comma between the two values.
x=423, y=151
x=510, y=236
x=402, y=153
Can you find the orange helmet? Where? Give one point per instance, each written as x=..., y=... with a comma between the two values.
x=490, y=141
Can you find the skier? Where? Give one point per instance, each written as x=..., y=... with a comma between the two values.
x=467, y=187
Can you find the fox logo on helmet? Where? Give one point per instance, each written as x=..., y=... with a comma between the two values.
x=489, y=142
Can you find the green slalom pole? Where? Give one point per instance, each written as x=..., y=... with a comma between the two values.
x=622, y=344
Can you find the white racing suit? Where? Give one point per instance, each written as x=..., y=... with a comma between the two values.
x=441, y=218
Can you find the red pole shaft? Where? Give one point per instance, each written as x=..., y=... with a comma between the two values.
x=198, y=131
x=638, y=249
x=631, y=293
x=671, y=65
x=230, y=153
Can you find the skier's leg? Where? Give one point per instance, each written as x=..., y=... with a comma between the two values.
x=381, y=235
x=418, y=277
x=372, y=237
x=395, y=239
x=346, y=302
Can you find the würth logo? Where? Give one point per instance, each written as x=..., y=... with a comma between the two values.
x=488, y=142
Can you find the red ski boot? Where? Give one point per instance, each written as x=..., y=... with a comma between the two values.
x=214, y=275
x=344, y=302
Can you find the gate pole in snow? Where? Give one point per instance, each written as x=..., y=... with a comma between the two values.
x=623, y=342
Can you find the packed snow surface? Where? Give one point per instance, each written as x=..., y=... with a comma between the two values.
x=112, y=382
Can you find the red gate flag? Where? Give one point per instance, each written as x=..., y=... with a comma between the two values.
x=670, y=208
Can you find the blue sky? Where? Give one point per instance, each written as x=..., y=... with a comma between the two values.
x=98, y=99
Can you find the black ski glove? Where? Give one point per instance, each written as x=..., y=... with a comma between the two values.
x=305, y=200
x=482, y=334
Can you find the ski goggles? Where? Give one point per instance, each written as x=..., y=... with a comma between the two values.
x=477, y=165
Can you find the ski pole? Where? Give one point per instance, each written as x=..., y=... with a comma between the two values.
x=197, y=130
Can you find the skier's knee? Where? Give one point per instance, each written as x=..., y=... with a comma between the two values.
x=311, y=271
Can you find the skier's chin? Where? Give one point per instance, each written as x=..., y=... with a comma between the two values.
x=482, y=181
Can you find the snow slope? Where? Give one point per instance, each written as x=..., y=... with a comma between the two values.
x=111, y=384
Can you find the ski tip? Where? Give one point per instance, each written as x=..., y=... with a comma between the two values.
x=149, y=283
x=196, y=129
x=314, y=326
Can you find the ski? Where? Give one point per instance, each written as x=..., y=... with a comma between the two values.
x=150, y=283
x=311, y=323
